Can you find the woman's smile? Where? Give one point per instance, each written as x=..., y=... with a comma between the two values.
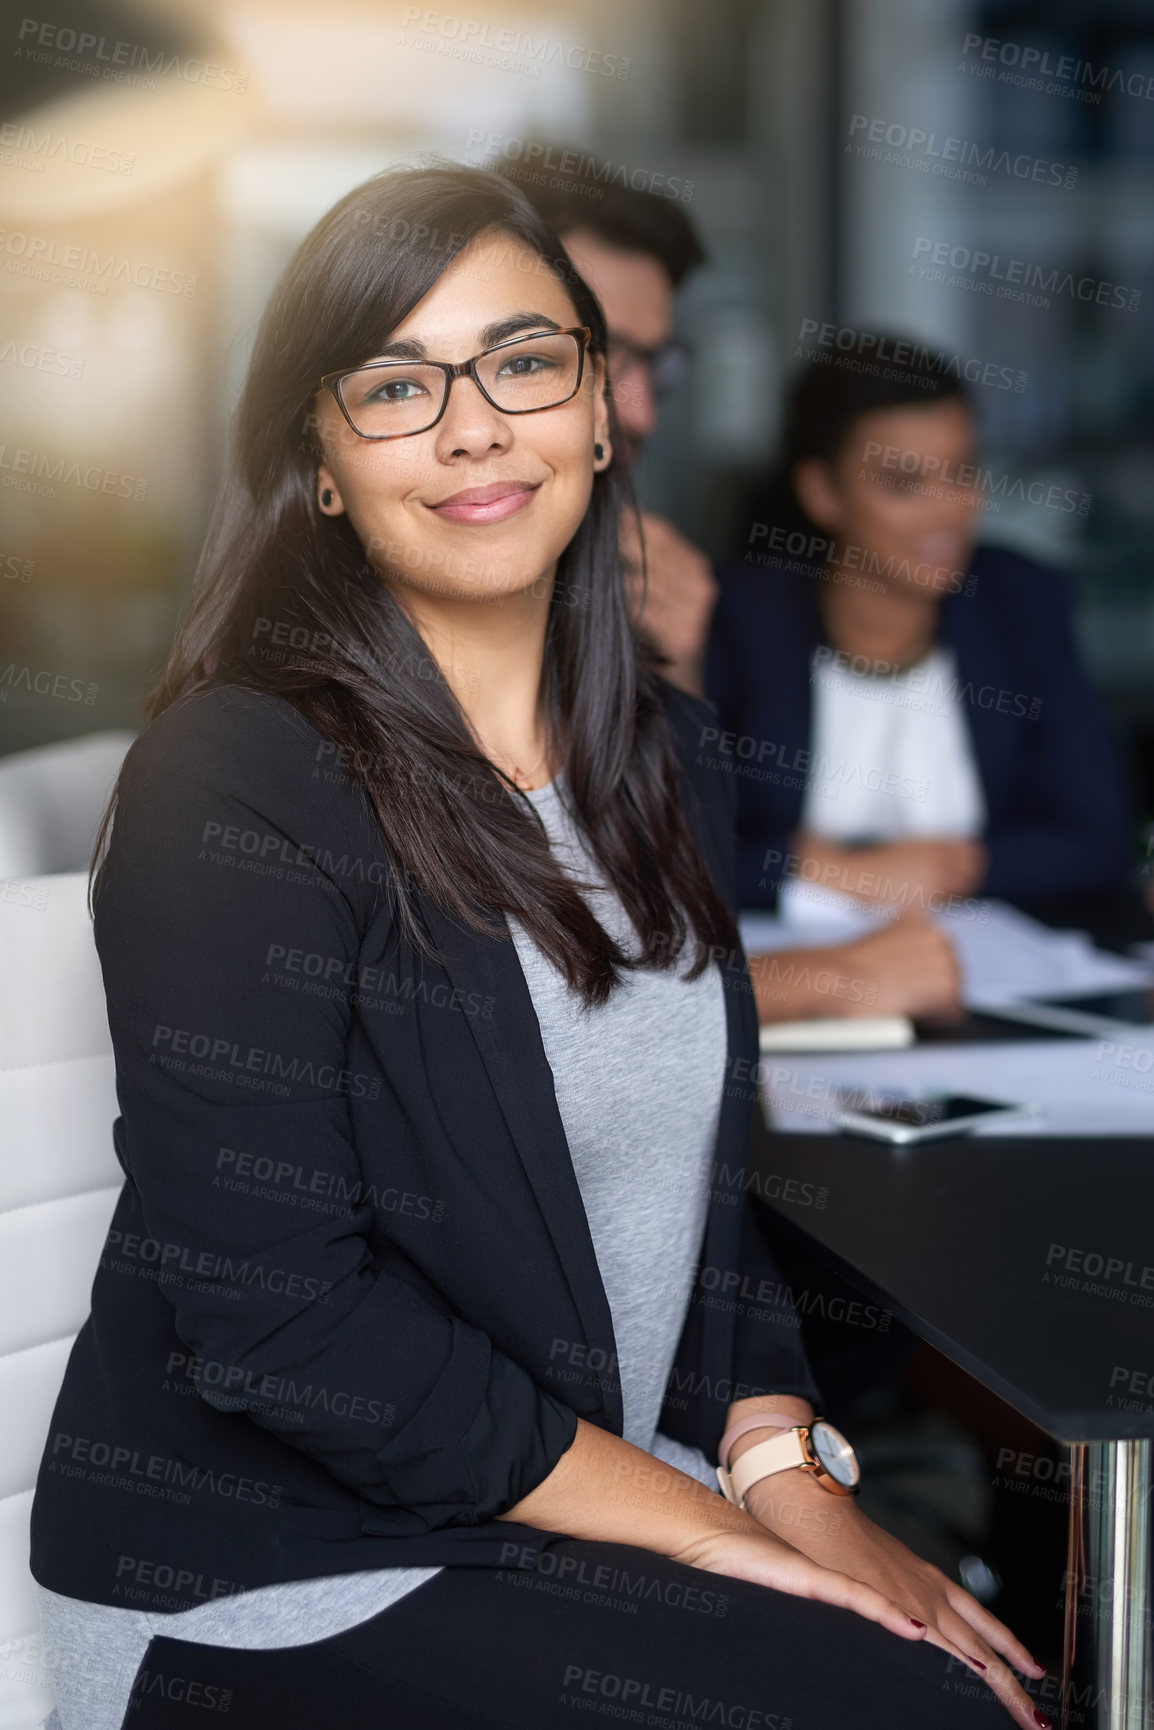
x=491, y=504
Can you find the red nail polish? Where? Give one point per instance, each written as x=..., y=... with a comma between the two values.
x=977, y=1662
x=917, y=1624
x=1041, y=1720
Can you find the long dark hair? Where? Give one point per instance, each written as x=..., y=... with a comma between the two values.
x=832, y=392
x=453, y=825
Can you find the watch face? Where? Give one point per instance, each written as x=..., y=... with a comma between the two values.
x=835, y=1454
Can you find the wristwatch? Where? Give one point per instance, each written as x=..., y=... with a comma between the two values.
x=816, y=1447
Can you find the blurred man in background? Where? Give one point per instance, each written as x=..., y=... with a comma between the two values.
x=635, y=249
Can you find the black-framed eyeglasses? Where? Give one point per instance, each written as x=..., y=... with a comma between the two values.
x=666, y=362
x=393, y=399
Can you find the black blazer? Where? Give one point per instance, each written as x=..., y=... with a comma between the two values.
x=349, y=1308
x=1057, y=820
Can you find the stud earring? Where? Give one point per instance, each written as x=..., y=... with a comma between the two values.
x=598, y=452
x=327, y=496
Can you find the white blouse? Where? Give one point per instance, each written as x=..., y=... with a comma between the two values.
x=891, y=756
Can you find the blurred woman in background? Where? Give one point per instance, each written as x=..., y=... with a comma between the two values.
x=908, y=716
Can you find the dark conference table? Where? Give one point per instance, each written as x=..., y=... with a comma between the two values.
x=1029, y=1261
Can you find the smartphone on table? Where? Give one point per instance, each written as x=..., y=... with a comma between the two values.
x=908, y=1120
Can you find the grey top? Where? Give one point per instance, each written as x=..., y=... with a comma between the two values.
x=638, y=1083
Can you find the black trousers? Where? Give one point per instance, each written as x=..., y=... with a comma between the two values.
x=609, y=1634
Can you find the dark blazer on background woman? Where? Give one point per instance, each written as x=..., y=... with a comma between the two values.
x=349, y=1309
x=1056, y=807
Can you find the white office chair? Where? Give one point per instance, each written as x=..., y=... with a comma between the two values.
x=51, y=801
x=59, y=1180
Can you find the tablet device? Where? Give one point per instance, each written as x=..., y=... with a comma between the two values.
x=1090, y=1013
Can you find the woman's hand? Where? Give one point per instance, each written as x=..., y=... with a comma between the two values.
x=767, y=1560
x=833, y=1533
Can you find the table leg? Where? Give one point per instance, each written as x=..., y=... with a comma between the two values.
x=1108, y=1651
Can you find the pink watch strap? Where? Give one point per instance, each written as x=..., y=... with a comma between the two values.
x=755, y=1421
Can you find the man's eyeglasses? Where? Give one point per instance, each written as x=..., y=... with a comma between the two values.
x=666, y=362
x=392, y=399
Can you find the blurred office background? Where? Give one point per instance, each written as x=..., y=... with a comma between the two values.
x=202, y=138
x=159, y=161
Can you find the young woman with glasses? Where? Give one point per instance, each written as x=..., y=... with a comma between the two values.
x=434, y=1287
